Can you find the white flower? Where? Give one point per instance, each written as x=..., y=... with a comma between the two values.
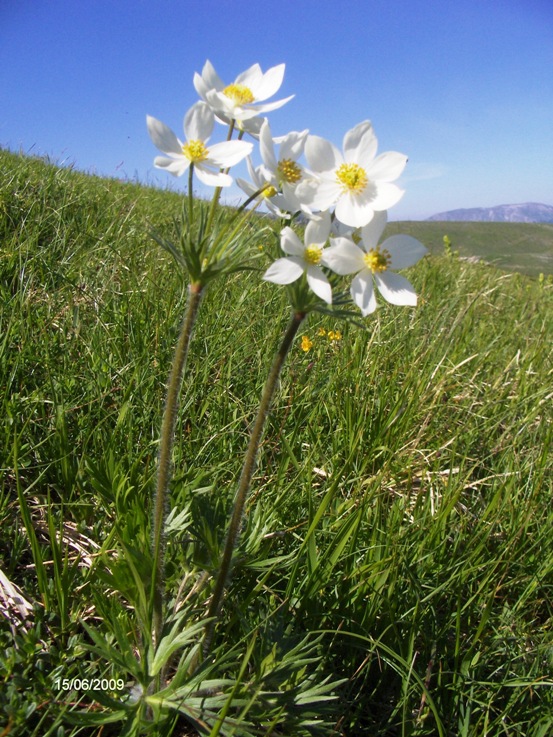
x=372, y=261
x=198, y=126
x=264, y=190
x=237, y=101
x=283, y=172
x=356, y=182
x=304, y=257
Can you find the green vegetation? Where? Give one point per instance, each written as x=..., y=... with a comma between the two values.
x=523, y=247
x=395, y=571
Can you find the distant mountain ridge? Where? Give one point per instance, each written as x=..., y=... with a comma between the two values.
x=527, y=212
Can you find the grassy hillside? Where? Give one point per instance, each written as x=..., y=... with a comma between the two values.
x=395, y=572
x=523, y=247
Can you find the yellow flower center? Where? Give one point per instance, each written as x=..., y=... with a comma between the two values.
x=289, y=171
x=239, y=93
x=352, y=177
x=377, y=260
x=195, y=151
x=306, y=343
x=313, y=254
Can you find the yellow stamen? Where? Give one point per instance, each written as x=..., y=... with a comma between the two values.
x=352, y=177
x=239, y=93
x=195, y=151
x=269, y=191
x=377, y=260
x=289, y=171
x=313, y=254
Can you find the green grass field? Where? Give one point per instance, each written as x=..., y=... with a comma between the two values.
x=523, y=247
x=395, y=571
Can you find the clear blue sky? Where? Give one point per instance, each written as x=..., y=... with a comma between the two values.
x=464, y=87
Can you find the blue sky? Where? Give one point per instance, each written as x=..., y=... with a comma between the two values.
x=465, y=89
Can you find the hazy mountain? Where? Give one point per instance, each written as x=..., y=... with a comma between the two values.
x=528, y=212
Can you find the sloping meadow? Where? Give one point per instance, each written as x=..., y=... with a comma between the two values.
x=400, y=514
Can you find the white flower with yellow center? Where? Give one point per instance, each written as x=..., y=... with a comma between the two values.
x=264, y=191
x=357, y=182
x=306, y=257
x=371, y=262
x=283, y=171
x=240, y=100
x=198, y=126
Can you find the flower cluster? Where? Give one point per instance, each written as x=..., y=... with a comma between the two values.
x=344, y=195
x=333, y=337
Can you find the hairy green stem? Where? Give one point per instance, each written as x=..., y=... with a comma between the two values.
x=165, y=451
x=190, y=195
x=248, y=468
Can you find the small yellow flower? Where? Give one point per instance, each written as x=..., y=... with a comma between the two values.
x=306, y=343
x=334, y=335
x=321, y=331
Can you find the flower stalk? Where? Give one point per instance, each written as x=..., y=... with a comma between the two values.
x=165, y=451
x=248, y=468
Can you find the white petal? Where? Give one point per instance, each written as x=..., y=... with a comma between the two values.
x=163, y=137
x=289, y=200
x=211, y=178
x=255, y=174
x=225, y=107
x=246, y=187
x=395, y=289
x=252, y=126
x=306, y=191
x=317, y=230
x=322, y=155
x=404, y=250
x=177, y=167
x=290, y=243
x=360, y=144
x=269, y=84
x=207, y=80
x=344, y=257
x=387, y=167
x=267, y=107
x=353, y=210
x=220, y=103
x=250, y=76
x=319, y=194
x=229, y=153
x=339, y=229
x=370, y=234
x=267, y=175
x=266, y=147
x=319, y=283
x=362, y=292
x=198, y=122
x=387, y=195
x=211, y=78
x=200, y=86
x=284, y=271
x=292, y=145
